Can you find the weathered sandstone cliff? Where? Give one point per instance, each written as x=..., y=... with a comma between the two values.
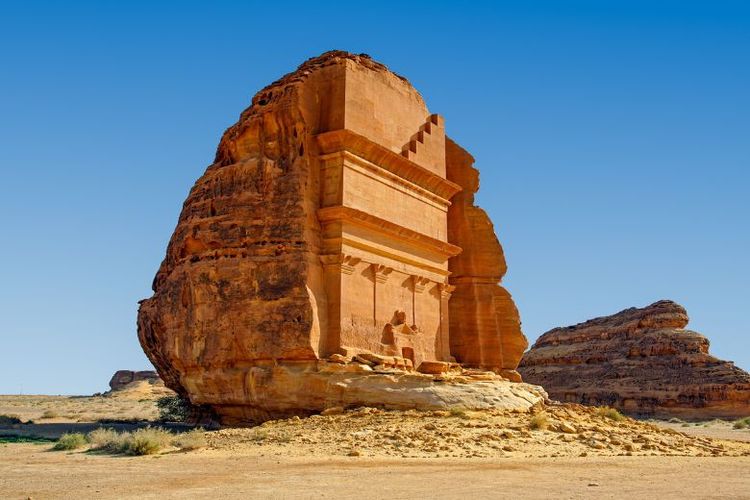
x=337, y=221
x=641, y=361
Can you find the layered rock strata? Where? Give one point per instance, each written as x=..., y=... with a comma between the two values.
x=336, y=220
x=641, y=361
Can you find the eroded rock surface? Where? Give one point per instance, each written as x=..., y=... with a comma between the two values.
x=642, y=361
x=327, y=228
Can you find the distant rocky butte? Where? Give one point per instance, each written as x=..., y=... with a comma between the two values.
x=641, y=361
x=332, y=255
x=123, y=378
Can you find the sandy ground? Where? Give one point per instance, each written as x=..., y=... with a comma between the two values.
x=560, y=451
x=717, y=429
x=28, y=470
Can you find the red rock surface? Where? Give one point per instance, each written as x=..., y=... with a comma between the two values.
x=323, y=231
x=484, y=323
x=641, y=361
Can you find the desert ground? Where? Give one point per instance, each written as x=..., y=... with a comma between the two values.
x=557, y=451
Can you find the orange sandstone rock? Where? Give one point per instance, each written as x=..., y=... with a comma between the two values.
x=641, y=361
x=336, y=221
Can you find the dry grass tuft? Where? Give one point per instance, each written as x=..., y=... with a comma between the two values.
x=70, y=441
x=108, y=440
x=147, y=441
x=610, y=413
x=191, y=440
x=539, y=422
x=459, y=413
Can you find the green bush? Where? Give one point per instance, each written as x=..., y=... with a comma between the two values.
x=70, y=441
x=173, y=408
x=742, y=423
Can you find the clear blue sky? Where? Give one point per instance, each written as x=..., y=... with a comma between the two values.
x=613, y=140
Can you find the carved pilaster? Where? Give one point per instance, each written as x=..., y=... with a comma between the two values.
x=380, y=274
x=443, y=344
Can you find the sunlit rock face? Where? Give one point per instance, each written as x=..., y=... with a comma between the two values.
x=642, y=361
x=337, y=220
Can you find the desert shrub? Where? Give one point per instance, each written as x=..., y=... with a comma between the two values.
x=459, y=413
x=540, y=422
x=191, y=440
x=283, y=437
x=259, y=435
x=610, y=413
x=675, y=420
x=146, y=441
x=70, y=441
x=49, y=414
x=742, y=423
x=9, y=420
x=173, y=408
x=108, y=440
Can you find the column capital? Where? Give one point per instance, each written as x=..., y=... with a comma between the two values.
x=419, y=283
x=446, y=290
x=381, y=272
x=346, y=263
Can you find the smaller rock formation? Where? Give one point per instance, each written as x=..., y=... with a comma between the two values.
x=641, y=361
x=122, y=378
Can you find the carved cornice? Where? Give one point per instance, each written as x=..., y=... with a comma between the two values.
x=363, y=219
x=375, y=250
x=346, y=140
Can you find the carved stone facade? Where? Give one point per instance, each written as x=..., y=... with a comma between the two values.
x=384, y=231
x=337, y=219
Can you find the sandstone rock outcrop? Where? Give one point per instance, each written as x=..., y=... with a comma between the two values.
x=641, y=361
x=336, y=221
x=123, y=378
